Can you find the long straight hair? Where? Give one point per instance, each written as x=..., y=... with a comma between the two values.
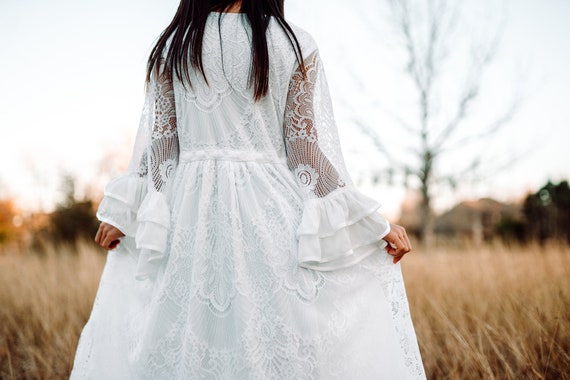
x=186, y=32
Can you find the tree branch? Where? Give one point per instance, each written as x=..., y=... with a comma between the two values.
x=375, y=138
x=492, y=129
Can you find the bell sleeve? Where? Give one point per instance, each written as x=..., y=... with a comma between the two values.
x=340, y=226
x=136, y=202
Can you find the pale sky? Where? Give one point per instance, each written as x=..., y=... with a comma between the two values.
x=73, y=77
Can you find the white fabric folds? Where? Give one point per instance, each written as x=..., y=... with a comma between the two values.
x=122, y=199
x=152, y=234
x=140, y=214
x=136, y=201
x=259, y=257
x=340, y=230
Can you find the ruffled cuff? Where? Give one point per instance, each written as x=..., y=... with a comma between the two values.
x=121, y=201
x=152, y=233
x=340, y=230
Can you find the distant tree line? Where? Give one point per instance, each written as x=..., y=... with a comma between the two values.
x=9, y=223
x=72, y=219
x=543, y=216
x=546, y=216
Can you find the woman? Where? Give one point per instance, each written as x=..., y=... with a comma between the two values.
x=241, y=248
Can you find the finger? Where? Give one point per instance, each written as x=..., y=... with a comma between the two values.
x=396, y=252
x=114, y=244
x=409, y=244
x=397, y=257
x=107, y=240
x=406, y=245
x=104, y=243
x=407, y=238
x=401, y=247
x=115, y=236
x=391, y=248
x=98, y=235
x=401, y=252
x=402, y=235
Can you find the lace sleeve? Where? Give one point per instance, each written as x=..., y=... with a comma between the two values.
x=136, y=201
x=158, y=164
x=340, y=226
x=313, y=170
x=162, y=157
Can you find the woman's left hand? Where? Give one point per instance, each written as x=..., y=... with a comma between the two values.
x=398, y=242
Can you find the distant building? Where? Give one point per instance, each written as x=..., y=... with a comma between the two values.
x=475, y=221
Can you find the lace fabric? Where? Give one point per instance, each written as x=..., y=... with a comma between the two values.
x=164, y=149
x=158, y=163
x=256, y=256
x=135, y=202
x=340, y=226
x=313, y=170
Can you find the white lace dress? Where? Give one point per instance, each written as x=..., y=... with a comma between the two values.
x=249, y=253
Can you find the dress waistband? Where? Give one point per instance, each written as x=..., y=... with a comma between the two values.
x=231, y=155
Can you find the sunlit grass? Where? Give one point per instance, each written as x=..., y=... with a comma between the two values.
x=491, y=312
x=45, y=301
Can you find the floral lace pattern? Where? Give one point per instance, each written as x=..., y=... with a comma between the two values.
x=164, y=149
x=239, y=193
x=312, y=167
x=224, y=68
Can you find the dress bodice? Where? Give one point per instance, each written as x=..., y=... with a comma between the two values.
x=220, y=114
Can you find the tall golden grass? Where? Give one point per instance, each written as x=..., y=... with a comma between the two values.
x=44, y=302
x=492, y=312
x=480, y=313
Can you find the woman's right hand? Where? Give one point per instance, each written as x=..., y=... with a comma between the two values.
x=108, y=236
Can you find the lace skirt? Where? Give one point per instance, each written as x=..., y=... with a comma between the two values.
x=230, y=300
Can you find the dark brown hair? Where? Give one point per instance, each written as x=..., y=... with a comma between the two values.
x=186, y=32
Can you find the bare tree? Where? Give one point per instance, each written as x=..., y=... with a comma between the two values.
x=425, y=28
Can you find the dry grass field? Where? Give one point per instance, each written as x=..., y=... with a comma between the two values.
x=492, y=313
x=487, y=313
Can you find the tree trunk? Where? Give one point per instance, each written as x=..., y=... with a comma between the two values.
x=426, y=215
x=427, y=226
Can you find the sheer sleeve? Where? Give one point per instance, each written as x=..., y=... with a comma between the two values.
x=136, y=202
x=340, y=226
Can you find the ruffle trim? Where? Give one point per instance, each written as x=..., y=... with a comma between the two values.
x=122, y=198
x=152, y=234
x=145, y=216
x=340, y=230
